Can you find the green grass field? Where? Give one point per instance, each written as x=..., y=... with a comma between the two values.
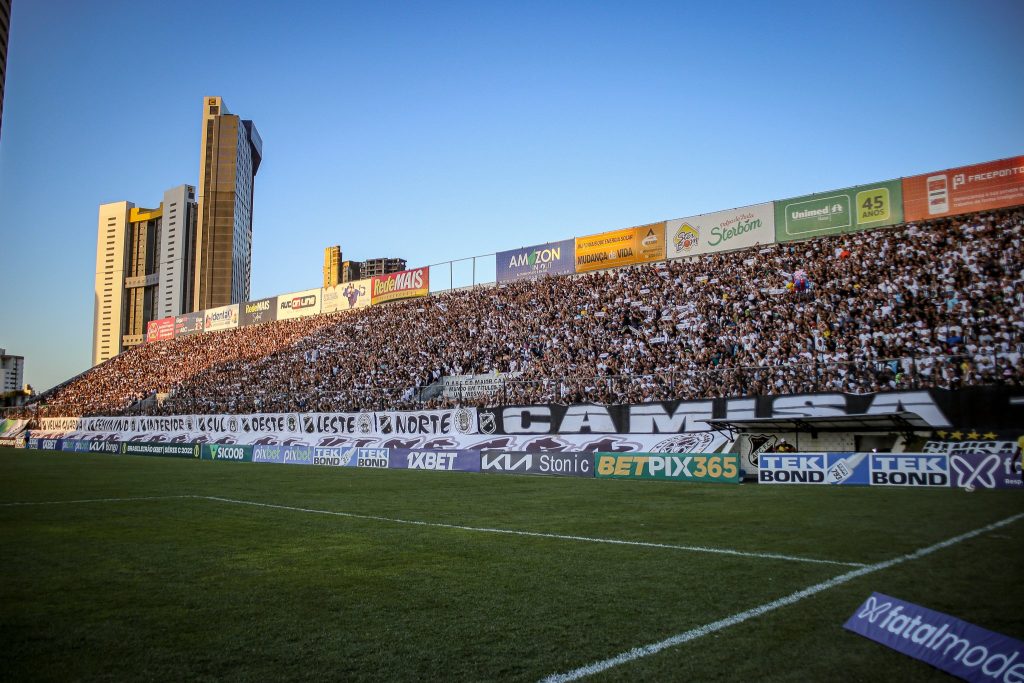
x=192, y=588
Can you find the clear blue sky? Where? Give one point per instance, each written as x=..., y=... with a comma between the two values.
x=442, y=130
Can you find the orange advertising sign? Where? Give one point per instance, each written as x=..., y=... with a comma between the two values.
x=404, y=285
x=621, y=247
x=981, y=187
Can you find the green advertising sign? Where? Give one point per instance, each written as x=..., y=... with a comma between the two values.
x=159, y=449
x=714, y=467
x=831, y=213
x=227, y=451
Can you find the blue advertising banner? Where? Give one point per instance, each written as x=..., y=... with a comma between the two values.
x=454, y=461
x=46, y=444
x=909, y=469
x=341, y=456
x=985, y=471
x=553, y=258
x=845, y=469
x=298, y=454
x=74, y=446
x=108, y=447
x=947, y=643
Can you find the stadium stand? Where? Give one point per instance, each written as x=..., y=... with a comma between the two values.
x=935, y=304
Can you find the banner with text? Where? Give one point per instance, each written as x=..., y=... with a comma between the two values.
x=981, y=187
x=747, y=226
x=863, y=469
x=553, y=258
x=958, y=647
x=190, y=323
x=839, y=211
x=298, y=304
x=473, y=387
x=404, y=285
x=444, y=460
x=160, y=330
x=560, y=464
x=223, y=318
x=256, y=312
x=347, y=297
x=702, y=467
x=620, y=247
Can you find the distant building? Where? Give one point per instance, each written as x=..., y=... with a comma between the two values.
x=144, y=268
x=332, y=266
x=5, y=30
x=230, y=158
x=350, y=270
x=12, y=372
x=381, y=266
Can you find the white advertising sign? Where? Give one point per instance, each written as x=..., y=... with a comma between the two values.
x=299, y=304
x=747, y=226
x=347, y=297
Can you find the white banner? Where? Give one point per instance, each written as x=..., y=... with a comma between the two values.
x=692, y=442
x=721, y=231
x=223, y=318
x=299, y=304
x=346, y=297
x=472, y=387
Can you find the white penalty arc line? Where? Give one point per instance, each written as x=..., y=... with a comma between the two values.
x=707, y=629
x=538, y=534
x=92, y=500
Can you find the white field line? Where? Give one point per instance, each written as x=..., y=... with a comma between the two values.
x=93, y=500
x=537, y=534
x=701, y=631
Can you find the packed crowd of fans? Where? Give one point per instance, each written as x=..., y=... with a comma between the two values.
x=917, y=306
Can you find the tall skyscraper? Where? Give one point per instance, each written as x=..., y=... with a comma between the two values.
x=143, y=268
x=332, y=266
x=230, y=157
x=5, y=30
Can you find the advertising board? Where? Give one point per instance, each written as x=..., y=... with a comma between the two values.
x=347, y=297
x=445, y=460
x=702, y=467
x=283, y=455
x=190, y=323
x=747, y=226
x=556, y=463
x=299, y=304
x=620, y=247
x=858, y=469
x=957, y=647
x=230, y=452
x=335, y=456
x=847, y=469
x=260, y=311
x=985, y=471
x=551, y=258
x=160, y=330
x=223, y=318
x=839, y=211
x=981, y=187
x=404, y=285
x=160, y=449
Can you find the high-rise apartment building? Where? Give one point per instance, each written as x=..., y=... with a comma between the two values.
x=143, y=268
x=12, y=372
x=332, y=266
x=5, y=30
x=382, y=266
x=230, y=158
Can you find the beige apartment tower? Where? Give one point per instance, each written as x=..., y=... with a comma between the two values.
x=230, y=158
x=143, y=269
x=332, y=266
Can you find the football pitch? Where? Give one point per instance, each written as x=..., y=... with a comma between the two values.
x=132, y=568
